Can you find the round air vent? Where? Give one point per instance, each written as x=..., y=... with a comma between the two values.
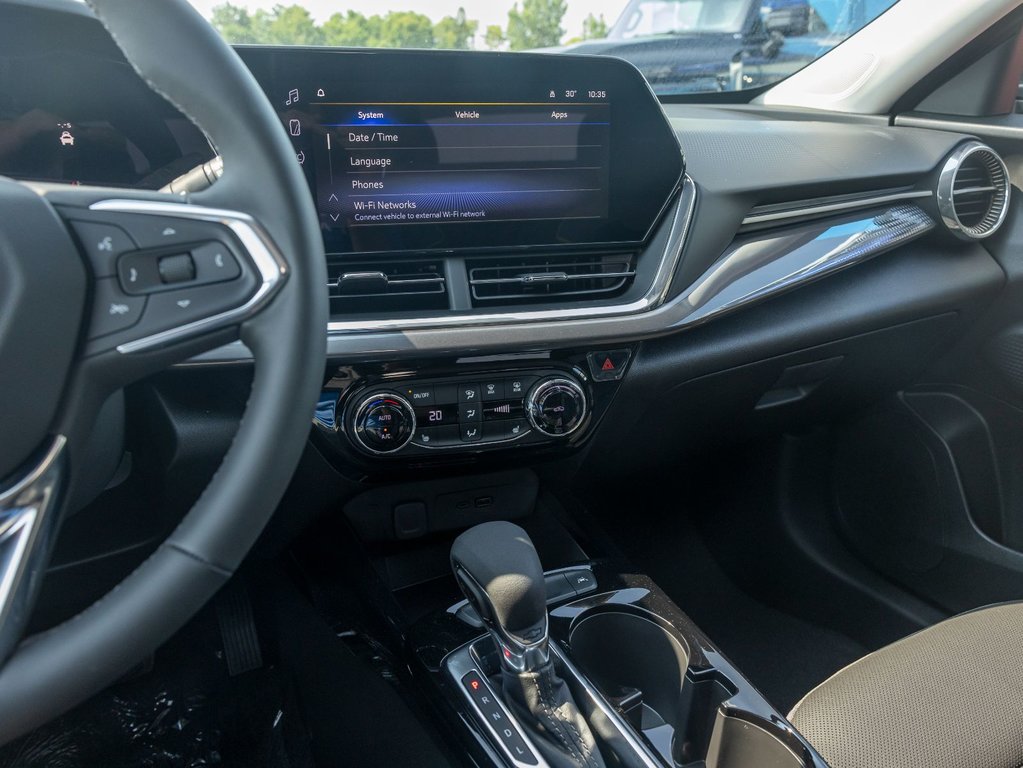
x=973, y=191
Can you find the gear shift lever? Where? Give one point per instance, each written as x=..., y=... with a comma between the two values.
x=500, y=573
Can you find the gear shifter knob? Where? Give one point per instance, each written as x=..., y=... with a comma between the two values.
x=499, y=571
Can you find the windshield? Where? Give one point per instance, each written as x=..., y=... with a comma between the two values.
x=681, y=46
x=669, y=17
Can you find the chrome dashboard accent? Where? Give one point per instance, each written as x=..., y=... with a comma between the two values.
x=998, y=127
x=760, y=267
x=769, y=263
x=28, y=523
x=269, y=262
x=861, y=203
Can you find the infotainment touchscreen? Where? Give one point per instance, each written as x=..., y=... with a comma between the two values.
x=434, y=151
x=433, y=162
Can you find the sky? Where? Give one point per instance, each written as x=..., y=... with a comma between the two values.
x=485, y=11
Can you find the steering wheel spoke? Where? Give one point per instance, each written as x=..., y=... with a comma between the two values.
x=167, y=274
x=28, y=523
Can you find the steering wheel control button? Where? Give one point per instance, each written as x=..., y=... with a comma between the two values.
x=556, y=407
x=469, y=393
x=608, y=365
x=112, y=309
x=166, y=231
x=384, y=423
x=176, y=269
x=150, y=271
x=173, y=308
x=138, y=273
x=214, y=263
x=102, y=243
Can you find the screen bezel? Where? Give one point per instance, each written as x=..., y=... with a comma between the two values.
x=646, y=164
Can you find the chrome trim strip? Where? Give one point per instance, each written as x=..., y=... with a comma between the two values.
x=654, y=297
x=771, y=264
x=550, y=277
x=271, y=265
x=27, y=527
x=752, y=271
x=992, y=128
x=849, y=205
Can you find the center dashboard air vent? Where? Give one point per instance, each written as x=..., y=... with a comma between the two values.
x=551, y=278
x=386, y=286
x=973, y=191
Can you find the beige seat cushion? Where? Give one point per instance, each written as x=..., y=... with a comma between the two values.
x=950, y=696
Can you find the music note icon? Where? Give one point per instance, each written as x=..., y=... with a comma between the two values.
x=292, y=97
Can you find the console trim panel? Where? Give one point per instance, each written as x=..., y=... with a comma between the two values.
x=464, y=661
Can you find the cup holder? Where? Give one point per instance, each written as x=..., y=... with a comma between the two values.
x=640, y=667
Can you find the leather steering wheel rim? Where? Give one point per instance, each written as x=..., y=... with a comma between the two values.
x=180, y=56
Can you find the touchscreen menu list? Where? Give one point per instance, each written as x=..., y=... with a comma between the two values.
x=393, y=163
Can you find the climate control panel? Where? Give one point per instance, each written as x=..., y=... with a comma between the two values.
x=420, y=416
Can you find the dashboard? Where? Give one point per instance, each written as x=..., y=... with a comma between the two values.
x=494, y=218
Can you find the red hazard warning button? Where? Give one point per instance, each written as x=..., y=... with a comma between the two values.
x=608, y=365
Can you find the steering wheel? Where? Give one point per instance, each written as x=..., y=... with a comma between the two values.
x=101, y=287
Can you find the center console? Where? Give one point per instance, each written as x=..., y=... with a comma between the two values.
x=654, y=690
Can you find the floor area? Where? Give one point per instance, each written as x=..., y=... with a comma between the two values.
x=185, y=711
x=322, y=697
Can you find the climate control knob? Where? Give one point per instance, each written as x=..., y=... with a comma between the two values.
x=556, y=407
x=384, y=423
